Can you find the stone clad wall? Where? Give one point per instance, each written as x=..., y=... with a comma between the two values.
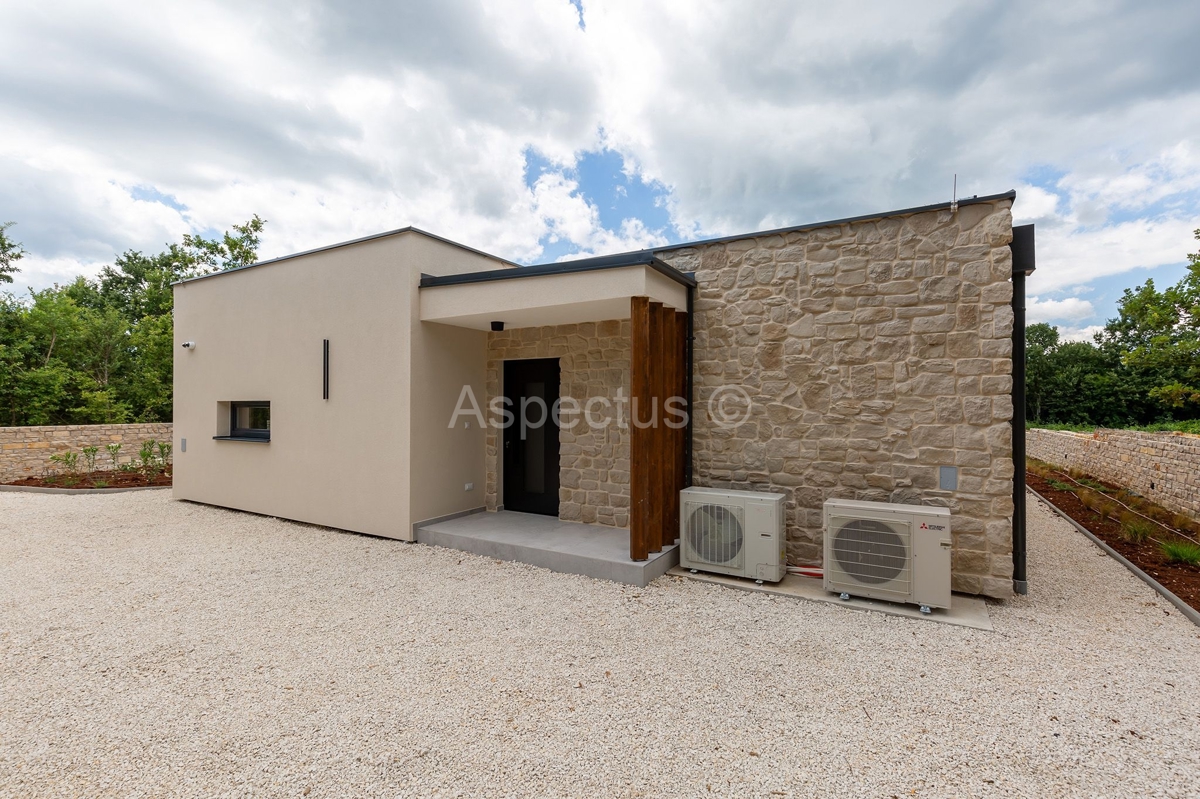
x=26, y=451
x=593, y=463
x=873, y=353
x=1163, y=467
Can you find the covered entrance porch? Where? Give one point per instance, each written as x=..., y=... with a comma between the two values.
x=613, y=333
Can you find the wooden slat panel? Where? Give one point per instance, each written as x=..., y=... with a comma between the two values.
x=666, y=435
x=679, y=435
x=639, y=438
x=649, y=414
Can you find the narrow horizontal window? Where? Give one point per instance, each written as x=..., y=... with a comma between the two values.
x=250, y=420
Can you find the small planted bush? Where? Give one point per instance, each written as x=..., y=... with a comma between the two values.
x=114, y=454
x=148, y=459
x=68, y=460
x=1060, y=485
x=164, y=454
x=89, y=458
x=1135, y=529
x=1177, y=551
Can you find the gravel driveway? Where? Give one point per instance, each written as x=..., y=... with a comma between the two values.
x=153, y=647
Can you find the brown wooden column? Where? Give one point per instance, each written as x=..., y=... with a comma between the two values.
x=656, y=452
x=640, y=445
x=664, y=435
x=678, y=434
x=649, y=414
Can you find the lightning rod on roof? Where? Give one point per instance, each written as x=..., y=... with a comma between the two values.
x=954, y=196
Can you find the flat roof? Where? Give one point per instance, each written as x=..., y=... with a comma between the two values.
x=639, y=258
x=635, y=258
x=327, y=247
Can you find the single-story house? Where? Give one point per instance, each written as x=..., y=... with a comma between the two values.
x=359, y=385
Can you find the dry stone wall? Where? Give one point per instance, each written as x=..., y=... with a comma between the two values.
x=593, y=461
x=26, y=451
x=1164, y=467
x=873, y=352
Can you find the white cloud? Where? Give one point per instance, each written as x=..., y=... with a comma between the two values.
x=1078, y=333
x=1070, y=309
x=336, y=120
x=1067, y=257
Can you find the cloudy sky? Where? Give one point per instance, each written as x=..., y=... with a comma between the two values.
x=539, y=129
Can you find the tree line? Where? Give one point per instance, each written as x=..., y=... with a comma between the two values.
x=1142, y=369
x=99, y=351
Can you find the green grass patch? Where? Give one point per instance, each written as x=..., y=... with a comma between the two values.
x=1135, y=529
x=1181, y=552
x=1059, y=485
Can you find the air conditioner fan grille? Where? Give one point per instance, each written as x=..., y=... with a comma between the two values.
x=715, y=534
x=871, y=552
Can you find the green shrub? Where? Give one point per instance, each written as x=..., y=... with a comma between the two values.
x=89, y=458
x=1177, y=551
x=1059, y=485
x=68, y=460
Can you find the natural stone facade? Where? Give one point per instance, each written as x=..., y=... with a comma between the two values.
x=593, y=462
x=26, y=451
x=873, y=353
x=1163, y=467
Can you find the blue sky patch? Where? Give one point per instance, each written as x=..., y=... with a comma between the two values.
x=605, y=185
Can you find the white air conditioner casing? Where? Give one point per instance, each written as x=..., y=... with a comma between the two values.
x=740, y=533
x=900, y=553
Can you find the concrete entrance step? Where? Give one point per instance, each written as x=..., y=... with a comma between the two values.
x=588, y=549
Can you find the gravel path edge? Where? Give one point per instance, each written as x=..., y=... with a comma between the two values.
x=1187, y=610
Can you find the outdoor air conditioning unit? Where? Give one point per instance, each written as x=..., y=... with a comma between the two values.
x=900, y=553
x=732, y=532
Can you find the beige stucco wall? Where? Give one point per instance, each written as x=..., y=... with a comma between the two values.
x=1164, y=467
x=347, y=462
x=873, y=352
x=593, y=461
x=26, y=451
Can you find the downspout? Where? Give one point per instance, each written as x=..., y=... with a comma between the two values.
x=1022, y=248
x=687, y=437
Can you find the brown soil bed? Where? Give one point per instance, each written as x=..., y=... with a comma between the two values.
x=1180, y=579
x=95, y=480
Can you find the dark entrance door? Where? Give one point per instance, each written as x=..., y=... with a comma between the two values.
x=531, y=441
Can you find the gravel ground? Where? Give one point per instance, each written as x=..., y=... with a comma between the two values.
x=150, y=647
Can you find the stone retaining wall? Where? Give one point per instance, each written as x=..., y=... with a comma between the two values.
x=26, y=451
x=1163, y=467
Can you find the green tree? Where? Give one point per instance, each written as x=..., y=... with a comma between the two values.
x=1040, y=342
x=10, y=253
x=1158, y=336
x=100, y=351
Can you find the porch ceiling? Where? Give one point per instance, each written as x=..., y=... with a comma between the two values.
x=550, y=299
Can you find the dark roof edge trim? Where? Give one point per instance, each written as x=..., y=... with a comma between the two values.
x=1011, y=194
x=639, y=258
x=351, y=242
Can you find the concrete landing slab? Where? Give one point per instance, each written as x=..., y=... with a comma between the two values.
x=588, y=549
x=965, y=611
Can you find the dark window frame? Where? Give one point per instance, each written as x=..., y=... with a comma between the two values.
x=249, y=432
